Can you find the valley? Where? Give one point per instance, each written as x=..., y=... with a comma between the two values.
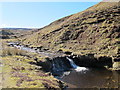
x=77, y=51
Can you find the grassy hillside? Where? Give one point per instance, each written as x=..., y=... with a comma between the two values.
x=95, y=30
x=11, y=33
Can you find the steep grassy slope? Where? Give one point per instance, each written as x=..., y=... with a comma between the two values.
x=93, y=31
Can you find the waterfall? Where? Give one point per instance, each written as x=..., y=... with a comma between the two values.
x=77, y=68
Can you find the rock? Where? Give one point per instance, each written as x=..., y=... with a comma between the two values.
x=116, y=66
x=68, y=52
x=45, y=49
x=60, y=50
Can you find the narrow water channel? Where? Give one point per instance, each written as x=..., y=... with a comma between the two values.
x=83, y=77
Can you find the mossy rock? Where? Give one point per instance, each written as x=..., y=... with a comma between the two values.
x=116, y=66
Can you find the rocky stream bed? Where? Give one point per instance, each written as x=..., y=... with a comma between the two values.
x=78, y=71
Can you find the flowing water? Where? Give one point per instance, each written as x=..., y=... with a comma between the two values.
x=82, y=77
x=75, y=67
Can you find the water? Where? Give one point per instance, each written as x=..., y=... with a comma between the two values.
x=100, y=78
x=76, y=68
x=82, y=77
x=48, y=54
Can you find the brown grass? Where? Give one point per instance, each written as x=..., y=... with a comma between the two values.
x=93, y=30
x=7, y=51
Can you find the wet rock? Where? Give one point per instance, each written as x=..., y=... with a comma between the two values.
x=46, y=65
x=90, y=60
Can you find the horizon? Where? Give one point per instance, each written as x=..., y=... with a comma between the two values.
x=38, y=14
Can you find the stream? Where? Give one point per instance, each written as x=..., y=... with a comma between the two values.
x=76, y=76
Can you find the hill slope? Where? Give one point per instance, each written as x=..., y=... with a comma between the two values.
x=10, y=33
x=93, y=31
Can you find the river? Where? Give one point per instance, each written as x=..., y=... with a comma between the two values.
x=83, y=77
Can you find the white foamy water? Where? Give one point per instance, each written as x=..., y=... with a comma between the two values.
x=24, y=48
x=76, y=68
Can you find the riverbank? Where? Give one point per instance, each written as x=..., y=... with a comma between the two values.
x=65, y=68
x=19, y=71
x=87, y=60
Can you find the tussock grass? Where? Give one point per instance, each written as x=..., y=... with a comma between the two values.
x=8, y=51
x=19, y=73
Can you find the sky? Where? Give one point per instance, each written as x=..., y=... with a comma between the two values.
x=37, y=14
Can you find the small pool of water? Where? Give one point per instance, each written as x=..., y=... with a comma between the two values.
x=92, y=78
x=82, y=77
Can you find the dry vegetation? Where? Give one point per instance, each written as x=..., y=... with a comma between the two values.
x=15, y=33
x=18, y=73
x=9, y=51
x=19, y=70
x=95, y=30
